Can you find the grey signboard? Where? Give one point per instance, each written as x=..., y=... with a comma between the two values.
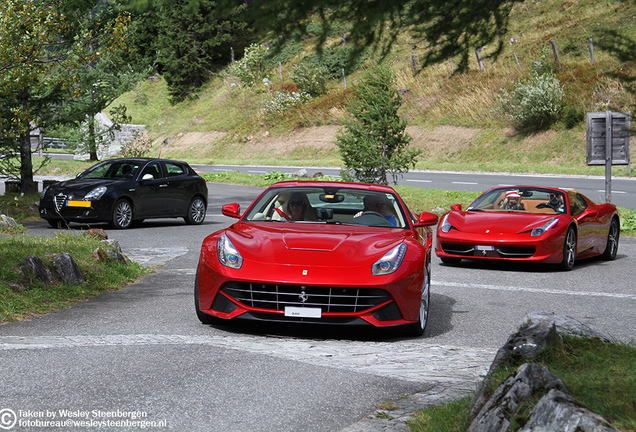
x=608, y=138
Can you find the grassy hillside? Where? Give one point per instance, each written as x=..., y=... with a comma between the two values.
x=451, y=117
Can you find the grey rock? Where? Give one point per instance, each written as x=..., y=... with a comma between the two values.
x=527, y=343
x=565, y=325
x=557, y=411
x=67, y=268
x=33, y=266
x=528, y=380
x=522, y=346
x=116, y=255
x=301, y=173
x=6, y=221
x=112, y=244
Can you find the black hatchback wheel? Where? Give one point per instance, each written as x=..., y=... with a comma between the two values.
x=122, y=215
x=196, y=211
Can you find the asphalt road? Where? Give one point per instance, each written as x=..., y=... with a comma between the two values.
x=623, y=190
x=141, y=352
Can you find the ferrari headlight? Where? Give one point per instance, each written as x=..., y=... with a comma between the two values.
x=228, y=255
x=536, y=232
x=96, y=193
x=445, y=226
x=390, y=262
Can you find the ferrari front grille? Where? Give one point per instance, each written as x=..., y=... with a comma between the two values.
x=59, y=202
x=329, y=299
x=498, y=251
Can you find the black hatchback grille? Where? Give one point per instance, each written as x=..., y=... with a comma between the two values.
x=59, y=201
x=329, y=299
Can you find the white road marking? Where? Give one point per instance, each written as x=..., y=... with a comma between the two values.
x=614, y=191
x=465, y=183
x=532, y=290
x=419, y=181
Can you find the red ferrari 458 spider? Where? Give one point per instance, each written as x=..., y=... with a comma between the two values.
x=319, y=252
x=526, y=223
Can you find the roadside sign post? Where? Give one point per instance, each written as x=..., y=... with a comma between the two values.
x=608, y=143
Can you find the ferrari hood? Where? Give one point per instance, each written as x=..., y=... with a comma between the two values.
x=313, y=244
x=496, y=222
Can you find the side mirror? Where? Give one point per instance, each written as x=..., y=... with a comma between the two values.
x=148, y=177
x=427, y=219
x=456, y=207
x=232, y=210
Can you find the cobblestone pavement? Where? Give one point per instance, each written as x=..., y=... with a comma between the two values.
x=451, y=371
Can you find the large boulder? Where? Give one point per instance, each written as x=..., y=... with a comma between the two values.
x=528, y=380
x=565, y=325
x=67, y=268
x=33, y=267
x=557, y=411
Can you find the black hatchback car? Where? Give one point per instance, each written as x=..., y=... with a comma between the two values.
x=123, y=191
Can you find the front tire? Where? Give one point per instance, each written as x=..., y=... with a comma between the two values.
x=417, y=329
x=196, y=212
x=613, y=235
x=569, y=250
x=122, y=215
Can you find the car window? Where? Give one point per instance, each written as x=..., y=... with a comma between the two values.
x=577, y=203
x=154, y=169
x=329, y=205
x=175, y=169
x=521, y=200
x=118, y=169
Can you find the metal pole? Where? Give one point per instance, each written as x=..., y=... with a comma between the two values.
x=592, y=50
x=608, y=156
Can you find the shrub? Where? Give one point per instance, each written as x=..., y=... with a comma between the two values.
x=253, y=66
x=282, y=101
x=533, y=103
x=572, y=116
x=310, y=78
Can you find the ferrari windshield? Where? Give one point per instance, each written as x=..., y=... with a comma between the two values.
x=329, y=205
x=115, y=169
x=521, y=200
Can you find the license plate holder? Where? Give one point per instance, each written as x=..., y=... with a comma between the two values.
x=301, y=312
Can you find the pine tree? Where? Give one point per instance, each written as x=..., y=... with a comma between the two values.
x=194, y=41
x=374, y=142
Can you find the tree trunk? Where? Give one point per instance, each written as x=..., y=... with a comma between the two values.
x=92, y=140
x=27, y=185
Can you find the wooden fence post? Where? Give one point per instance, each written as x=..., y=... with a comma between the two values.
x=481, y=64
x=517, y=59
x=556, y=54
x=592, y=50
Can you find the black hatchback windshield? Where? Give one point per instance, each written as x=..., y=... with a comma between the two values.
x=119, y=169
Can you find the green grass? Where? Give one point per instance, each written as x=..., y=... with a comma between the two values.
x=600, y=376
x=21, y=299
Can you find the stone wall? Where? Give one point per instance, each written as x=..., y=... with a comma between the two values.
x=126, y=134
